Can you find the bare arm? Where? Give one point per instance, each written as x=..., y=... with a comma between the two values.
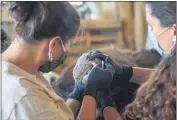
x=140, y=75
x=111, y=113
x=73, y=105
x=88, y=109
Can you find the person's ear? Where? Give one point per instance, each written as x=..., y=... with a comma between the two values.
x=174, y=29
x=174, y=32
x=53, y=42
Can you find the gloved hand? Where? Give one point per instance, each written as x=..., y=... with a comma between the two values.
x=99, y=78
x=78, y=92
x=104, y=99
x=122, y=74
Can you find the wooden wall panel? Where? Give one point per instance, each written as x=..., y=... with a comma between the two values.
x=140, y=26
x=125, y=11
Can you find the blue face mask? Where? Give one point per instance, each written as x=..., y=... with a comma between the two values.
x=158, y=48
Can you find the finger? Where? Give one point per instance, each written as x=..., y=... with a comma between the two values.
x=110, y=68
x=96, y=66
x=90, y=66
x=109, y=60
x=94, y=51
x=96, y=62
x=96, y=55
x=106, y=59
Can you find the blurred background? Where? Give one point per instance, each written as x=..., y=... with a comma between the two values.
x=103, y=24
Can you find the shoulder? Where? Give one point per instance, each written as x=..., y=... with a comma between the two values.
x=15, y=82
x=23, y=92
x=14, y=87
x=40, y=106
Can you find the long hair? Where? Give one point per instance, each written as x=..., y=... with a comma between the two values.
x=156, y=98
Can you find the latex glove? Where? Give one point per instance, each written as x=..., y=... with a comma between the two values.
x=122, y=74
x=99, y=78
x=78, y=92
x=104, y=99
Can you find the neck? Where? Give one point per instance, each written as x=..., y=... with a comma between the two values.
x=167, y=45
x=22, y=57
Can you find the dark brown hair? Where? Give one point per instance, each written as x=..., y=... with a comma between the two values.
x=156, y=98
x=164, y=11
x=37, y=19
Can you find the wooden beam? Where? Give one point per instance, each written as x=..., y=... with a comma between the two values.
x=125, y=11
x=140, y=25
x=101, y=23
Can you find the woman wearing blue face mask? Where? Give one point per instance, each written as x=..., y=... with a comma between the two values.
x=162, y=22
x=161, y=17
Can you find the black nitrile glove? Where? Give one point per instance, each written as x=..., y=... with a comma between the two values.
x=122, y=74
x=78, y=92
x=104, y=99
x=99, y=78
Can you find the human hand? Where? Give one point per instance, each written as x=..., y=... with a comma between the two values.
x=99, y=78
x=104, y=99
x=122, y=74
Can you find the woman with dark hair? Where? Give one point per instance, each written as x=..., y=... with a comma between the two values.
x=43, y=30
x=161, y=17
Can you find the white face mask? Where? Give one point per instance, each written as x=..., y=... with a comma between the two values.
x=158, y=48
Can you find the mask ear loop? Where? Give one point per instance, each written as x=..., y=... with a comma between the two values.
x=172, y=48
x=50, y=56
x=64, y=49
x=162, y=32
x=174, y=39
